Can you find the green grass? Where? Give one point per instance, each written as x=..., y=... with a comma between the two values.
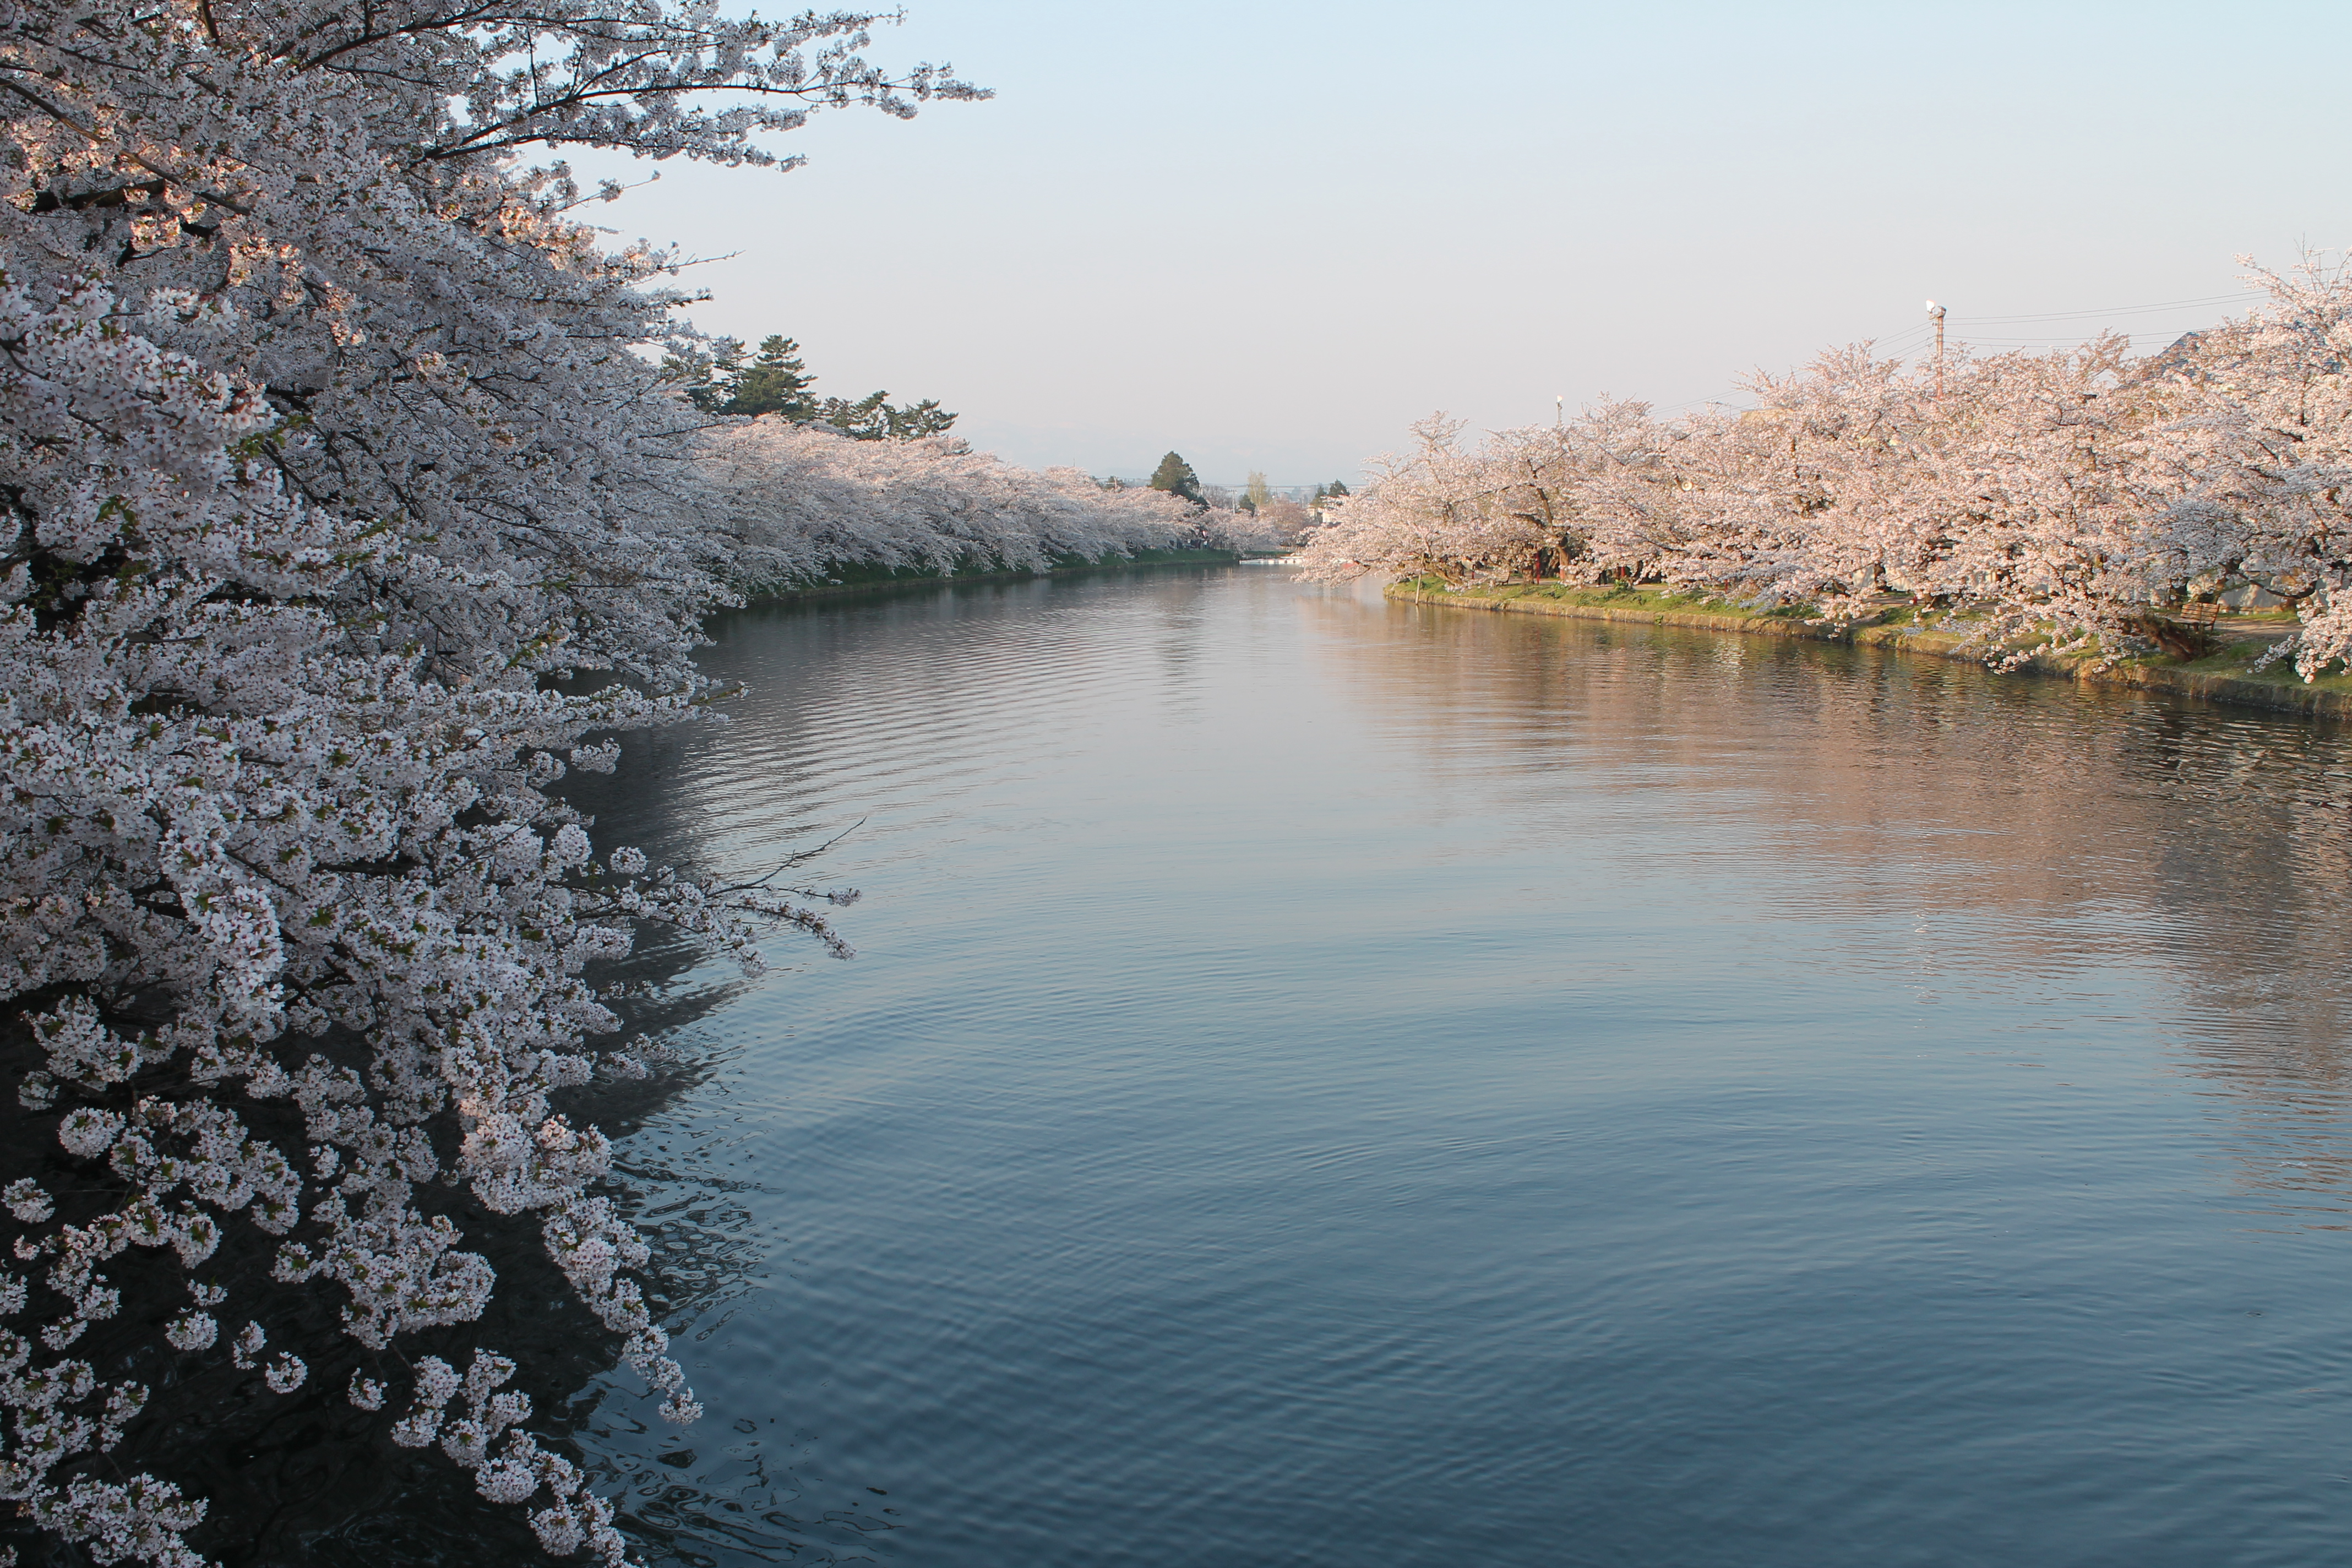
x=1611, y=596
x=2241, y=631
x=2236, y=661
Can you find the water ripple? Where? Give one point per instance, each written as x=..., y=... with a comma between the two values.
x=1328, y=1082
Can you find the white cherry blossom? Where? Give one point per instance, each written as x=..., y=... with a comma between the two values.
x=2071, y=495
x=343, y=513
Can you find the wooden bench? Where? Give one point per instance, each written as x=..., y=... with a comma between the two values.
x=2204, y=616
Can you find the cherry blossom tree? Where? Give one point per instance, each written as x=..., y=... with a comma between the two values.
x=2059, y=498
x=334, y=475
x=1438, y=509
x=2271, y=505
x=792, y=501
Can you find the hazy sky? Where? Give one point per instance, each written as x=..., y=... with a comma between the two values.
x=1271, y=235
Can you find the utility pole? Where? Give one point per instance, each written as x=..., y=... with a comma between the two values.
x=1559, y=410
x=1936, y=314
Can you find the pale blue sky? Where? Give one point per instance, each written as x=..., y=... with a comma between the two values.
x=1271, y=235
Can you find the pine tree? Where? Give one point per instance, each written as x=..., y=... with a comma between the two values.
x=775, y=383
x=717, y=381
x=706, y=374
x=874, y=417
x=1175, y=476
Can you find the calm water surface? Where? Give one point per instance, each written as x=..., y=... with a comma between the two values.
x=1328, y=1082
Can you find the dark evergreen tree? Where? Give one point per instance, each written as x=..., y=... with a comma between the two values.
x=924, y=419
x=1175, y=476
x=717, y=381
x=1337, y=488
x=875, y=418
x=707, y=375
x=775, y=383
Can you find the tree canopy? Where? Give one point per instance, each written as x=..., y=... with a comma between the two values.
x=717, y=381
x=873, y=418
x=775, y=383
x=340, y=518
x=1175, y=476
x=2058, y=501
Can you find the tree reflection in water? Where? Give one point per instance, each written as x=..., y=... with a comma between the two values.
x=2140, y=885
x=2022, y=823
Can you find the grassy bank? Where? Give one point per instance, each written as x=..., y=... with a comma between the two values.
x=2226, y=675
x=859, y=577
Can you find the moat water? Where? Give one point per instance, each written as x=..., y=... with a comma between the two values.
x=1334, y=1083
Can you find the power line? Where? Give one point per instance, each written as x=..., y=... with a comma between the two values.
x=1901, y=341
x=2029, y=342
x=1918, y=334
x=2113, y=310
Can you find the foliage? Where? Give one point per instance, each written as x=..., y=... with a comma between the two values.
x=775, y=383
x=1285, y=521
x=716, y=380
x=793, y=502
x=341, y=520
x=2081, y=491
x=1175, y=476
x=873, y=418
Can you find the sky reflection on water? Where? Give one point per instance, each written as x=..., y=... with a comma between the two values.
x=1328, y=1082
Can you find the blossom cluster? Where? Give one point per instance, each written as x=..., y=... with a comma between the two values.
x=798, y=501
x=331, y=482
x=2071, y=494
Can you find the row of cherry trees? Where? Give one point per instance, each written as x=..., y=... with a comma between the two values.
x=336, y=468
x=2077, y=492
x=796, y=502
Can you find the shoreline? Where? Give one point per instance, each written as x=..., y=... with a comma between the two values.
x=1147, y=560
x=2211, y=685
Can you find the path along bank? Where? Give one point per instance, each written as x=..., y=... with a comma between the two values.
x=2223, y=676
